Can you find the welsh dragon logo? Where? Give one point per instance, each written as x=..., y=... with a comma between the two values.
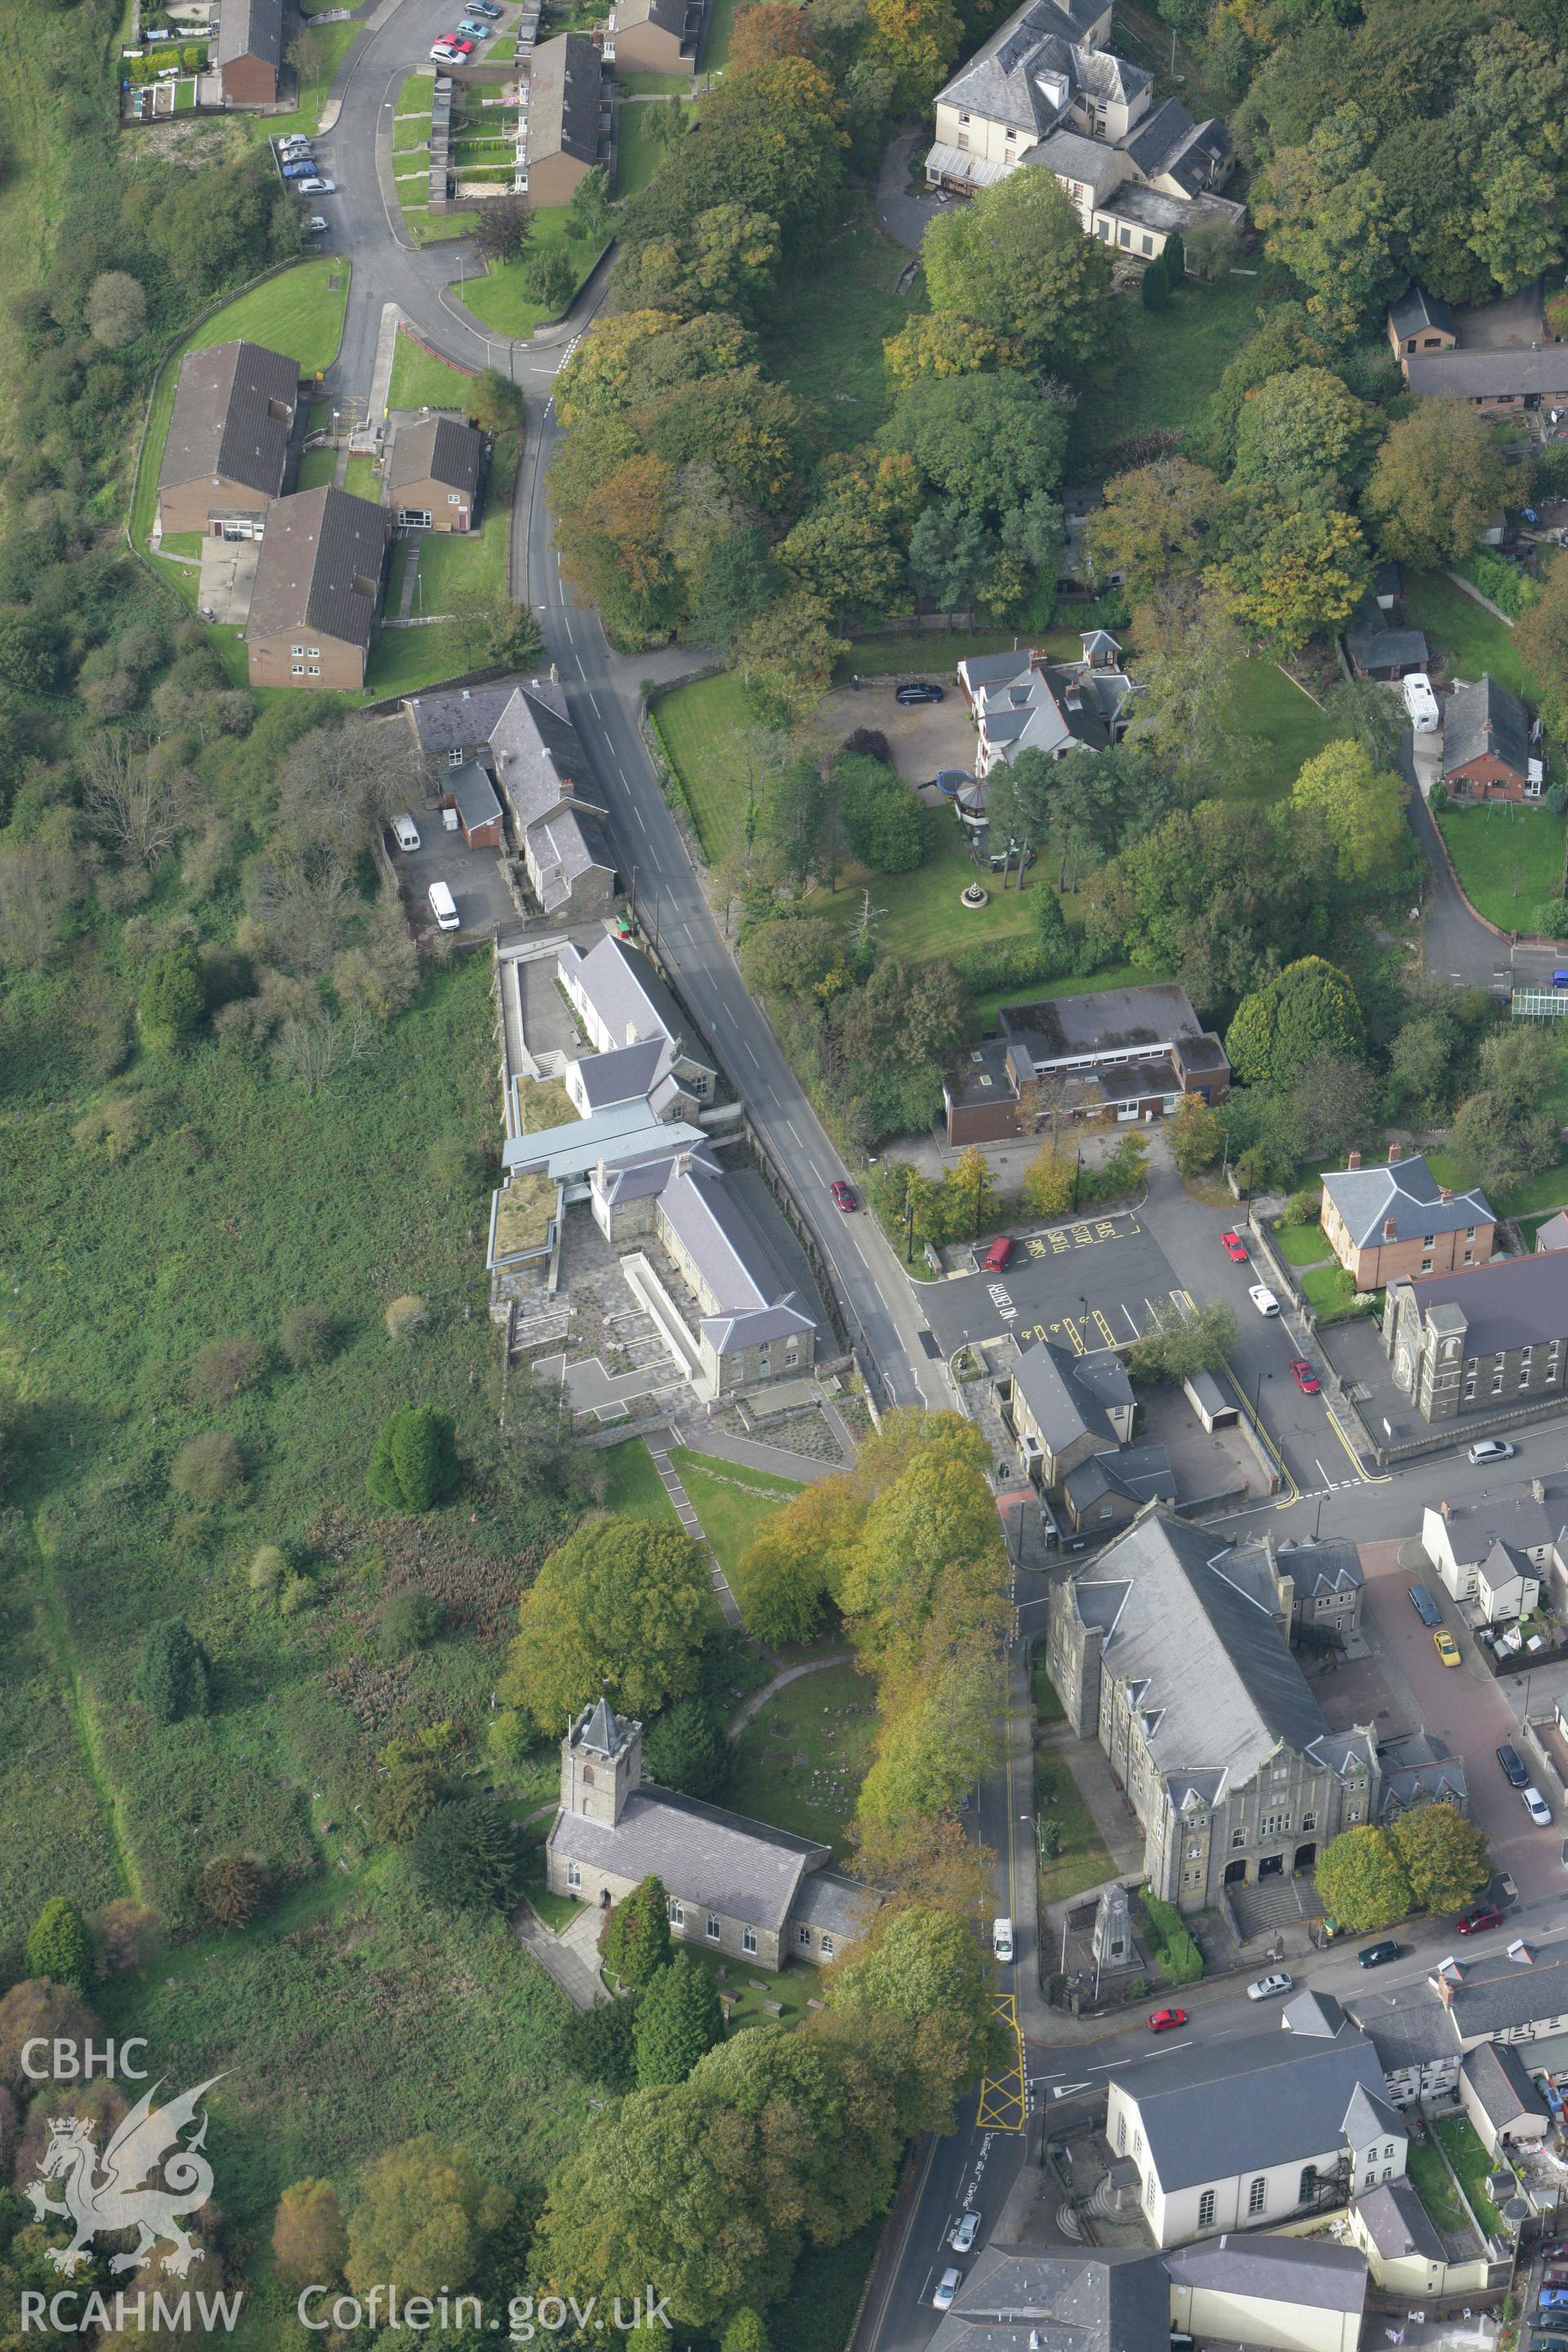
x=103, y=2196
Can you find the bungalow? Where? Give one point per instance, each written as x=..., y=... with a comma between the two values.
x=433, y=474
x=1486, y=744
x=1497, y=384
x=227, y=451
x=317, y=590
x=1384, y=1222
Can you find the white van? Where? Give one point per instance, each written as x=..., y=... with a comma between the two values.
x=1001, y=1938
x=1421, y=703
x=442, y=906
x=405, y=830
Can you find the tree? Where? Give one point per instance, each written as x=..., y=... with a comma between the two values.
x=931, y=1552
x=924, y=1967
x=1196, y=1136
x=917, y=41
x=422, y=2221
x=128, y=1935
x=410, y=1620
x=740, y=579
x=1361, y=1880
x=1325, y=216
x=746, y=2332
x=1330, y=1100
x=464, y=1856
x=1181, y=1345
x=495, y=403
x=589, y=213
x=59, y=1947
x=972, y=1184
x=1156, y=523
x=116, y=309
x=884, y=822
x=600, y=2044
x=414, y=1462
x=1155, y=288
x=1304, y=428
x=1050, y=1182
x=503, y=228
x=173, y=1677
x=1015, y=260
x=1541, y=636
x=988, y=441
x=39, y=2009
x=1296, y=568
x=787, y=657
x=764, y=30
x=943, y=343
x=209, y=1469
x=308, y=1337
x=678, y=2018
x=686, y=1749
x=799, y=1560
x=846, y=552
x=552, y=275
x=1438, y=479
x=635, y=1941
x=172, y=1002
x=1308, y=1009
x=1500, y=1145
x=309, y=2242
x=622, y=1606
x=1356, y=808
x=230, y=1887
x=1444, y=1856
x=30, y=650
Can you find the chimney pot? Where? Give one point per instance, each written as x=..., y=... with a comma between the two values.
x=1390, y=1228
x=1446, y=1507
x=1353, y=1159
x=1394, y=1155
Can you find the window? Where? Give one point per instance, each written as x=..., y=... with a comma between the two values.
x=454, y=497
x=673, y=1912
x=1149, y=2190
x=1238, y=1837
x=298, y=669
x=827, y=1948
x=315, y=653
x=1308, y=2183
x=1206, y=2209
x=1389, y=2150
x=315, y=670
x=748, y=1939
x=1469, y=1255
x=1426, y=1240
x=1148, y=243
x=1138, y=2143
x=1120, y=2135
x=1469, y=1233
x=1309, y=1820
x=803, y=1936
x=456, y=756
x=1123, y=236
x=296, y=649
x=573, y=1874
x=1425, y=1266
x=1256, y=2196
x=712, y=1928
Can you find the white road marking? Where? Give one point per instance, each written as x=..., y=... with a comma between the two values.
x=638, y=814
x=1131, y=1323
x=790, y=1124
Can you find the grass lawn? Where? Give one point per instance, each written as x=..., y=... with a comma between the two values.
x=1508, y=859
x=826, y=331
x=924, y=919
x=361, y=481
x=635, y=1487
x=402, y=659
x=449, y=559
x=1329, y=1288
x=636, y=148
x=1466, y=637
x=1282, y=727
x=300, y=311
x=734, y=1503
x=317, y=467
x=503, y=300
x=1473, y=2165
x=424, y=226
x=716, y=41
x=1301, y=1244
x=985, y=1008
x=702, y=728
x=792, y=1987
x=182, y=542
x=419, y=380
x=800, y=1761
x=1435, y=2188
x=328, y=45
x=1083, y=1860
x=1167, y=363
x=654, y=85
x=1048, y=1707
x=1535, y=1197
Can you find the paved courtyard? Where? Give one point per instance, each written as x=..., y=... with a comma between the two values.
x=228, y=574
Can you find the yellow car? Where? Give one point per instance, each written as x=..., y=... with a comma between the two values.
x=1448, y=1649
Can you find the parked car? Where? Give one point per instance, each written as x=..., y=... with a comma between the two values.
x=1001, y=1938
x=843, y=1197
x=1263, y=1299
x=446, y=54
x=1492, y=1449
x=1421, y=703
x=484, y=8
x=1513, y=1766
x=946, y=2288
x=318, y=187
x=315, y=226
x=1305, y=1378
x=1477, y=1918
x=476, y=32
x=1536, y=1806
x=1554, y=2298
x=303, y=168
x=406, y=833
x=1233, y=1247
x=916, y=689
x=997, y=1255
x=1426, y=1608
x=296, y=150
x=1266, y=1988
x=1448, y=1649
x=963, y=2237
x=1165, y=2021
x=442, y=906
x=1372, y=1956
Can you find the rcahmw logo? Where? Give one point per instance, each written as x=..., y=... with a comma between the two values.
x=147, y=2180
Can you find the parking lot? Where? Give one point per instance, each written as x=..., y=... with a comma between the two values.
x=474, y=877
x=1088, y=1284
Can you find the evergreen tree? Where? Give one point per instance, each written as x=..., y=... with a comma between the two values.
x=173, y=1678
x=414, y=1462
x=464, y=1856
x=678, y=2018
x=1156, y=287
x=745, y=2333
x=60, y=1946
x=686, y=1749
x=600, y=2044
x=173, y=1002
x=635, y=1938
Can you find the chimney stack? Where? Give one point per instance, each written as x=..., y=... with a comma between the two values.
x=1538, y=1489
x=1444, y=1194
x=1390, y=1229
x=1394, y=1155
x=1446, y=1507
x=1352, y=1160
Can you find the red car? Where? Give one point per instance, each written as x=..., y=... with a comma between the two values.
x=845, y=1197
x=1233, y=1247
x=1484, y=1915
x=1305, y=1378
x=1165, y=2021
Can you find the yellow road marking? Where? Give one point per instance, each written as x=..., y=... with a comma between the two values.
x=1362, y=1473
x=1002, y=2097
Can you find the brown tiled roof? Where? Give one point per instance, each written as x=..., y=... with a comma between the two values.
x=564, y=100
x=250, y=28
x=436, y=449
x=223, y=421
x=319, y=566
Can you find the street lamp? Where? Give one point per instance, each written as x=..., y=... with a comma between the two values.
x=1084, y=1304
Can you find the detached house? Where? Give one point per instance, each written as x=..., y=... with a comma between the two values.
x=1497, y=1549
x=1397, y=1221
x=1072, y=1416
x=317, y=590
x=1498, y=380
x=433, y=474
x=1023, y=701
x=227, y=447
x=519, y=741
x=1486, y=745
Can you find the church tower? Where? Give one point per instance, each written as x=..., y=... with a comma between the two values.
x=601, y=1764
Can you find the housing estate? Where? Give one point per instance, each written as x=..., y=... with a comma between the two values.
x=1173, y=1651
x=433, y=474
x=1259, y=2129
x=654, y=36
x=520, y=740
x=1478, y=1340
x=317, y=590
x=249, y=52
x=227, y=448
x=1486, y=745
x=1025, y=701
x=568, y=128
x=1072, y=1416
x=1290, y=2295
x=734, y=1885
x=1131, y=1053
x=1042, y=92
x=1395, y=1220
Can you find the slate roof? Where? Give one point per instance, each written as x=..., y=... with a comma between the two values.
x=1315, y=2014
x=222, y=422
x=604, y=1732
x=538, y=754
x=1322, y=1569
x=1141, y=1473
x=567, y=844
x=1262, y=2100
x=1553, y=1233
x=1070, y=1396
x=1073, y=157
x=1408, y=2036
x=1399, y=2224
x=753, y=1301
x=1373, y=644
x=626, y=993
x=1498, y=1994
x=832, y=1904
x=1159, y=134
x=1270, y=2268
x=639, y=1179
x=1409, y=1193
x=1419, y=1769
x=1196, y=155
x=1503, y=375
x=706, y=1856
x=457, y=721
x=620, y=1132
x=1485, y=719
x=250, y=28
x=1416, y=310
x=1190, y=1624
x=436, y=449
x=1004, y=80
x=669, y=15
x=621, y=1074
x=564, y=80
x=1111, y=2301
x=1516, y=1302
x=1500, y=2082
x=319, y=566
x=472, y=794
x=1512, y=1514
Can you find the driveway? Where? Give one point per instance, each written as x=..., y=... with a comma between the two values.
x=921, y=738
x=1465, y=1707
x=1510, y=325
x=474, y=877
x=903, y=217
x=1459, y=948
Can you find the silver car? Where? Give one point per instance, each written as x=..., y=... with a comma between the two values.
x=947, y=2286
x=1267, y=1987
x=963, y=2237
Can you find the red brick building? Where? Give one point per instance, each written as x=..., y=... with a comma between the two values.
x=1395, y=1220
x=1486, y=745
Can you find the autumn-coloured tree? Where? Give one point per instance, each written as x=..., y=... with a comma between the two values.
x=229, y=1888
x=1444, y=1856
x=309, y=2242
x=917, y=41
x=422, y=2221
x=767, y=31
x=944, y=343
x=1156, y=523
x=1438, y=480
x=36, y=2010
x=1357, y=808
